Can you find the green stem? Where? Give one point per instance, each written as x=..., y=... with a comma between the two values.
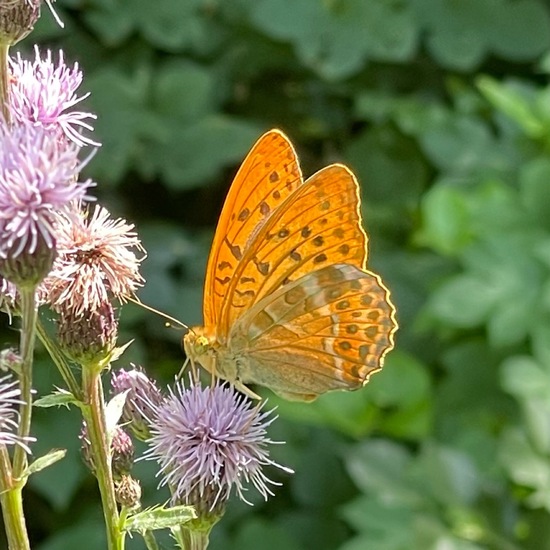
x=57, y=357
x=150, y=541
x=192, y=539
x=11, y=499
x=11, y=477
x=94, y=414
x=29, y=316
x=4, y=82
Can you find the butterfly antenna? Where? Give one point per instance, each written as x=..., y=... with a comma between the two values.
x=170, y=321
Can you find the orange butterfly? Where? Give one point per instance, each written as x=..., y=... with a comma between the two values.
x=288, y=302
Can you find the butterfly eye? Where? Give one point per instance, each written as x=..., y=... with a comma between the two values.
x=201, y=345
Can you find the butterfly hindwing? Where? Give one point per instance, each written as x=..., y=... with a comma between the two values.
x=328, y=330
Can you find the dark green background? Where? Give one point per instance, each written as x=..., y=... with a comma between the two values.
x=442, y=108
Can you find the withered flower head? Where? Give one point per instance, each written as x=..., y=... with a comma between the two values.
x=98, y=261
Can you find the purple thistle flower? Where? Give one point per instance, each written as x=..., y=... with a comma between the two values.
x=43, y=94
x=38, y=177
x=207, y=441
x=9, y=417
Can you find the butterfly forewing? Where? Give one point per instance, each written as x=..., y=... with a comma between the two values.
x=268, y=175
x=318, y=224
x=328, y=330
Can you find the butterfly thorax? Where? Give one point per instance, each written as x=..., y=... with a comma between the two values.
x=201, y=346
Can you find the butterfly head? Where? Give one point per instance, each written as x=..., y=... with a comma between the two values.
x=199, y=349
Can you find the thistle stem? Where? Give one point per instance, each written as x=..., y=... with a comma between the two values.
x=192, y=539
x=29, y=316
x=11, y=477
x=4, y=81
x=11, y=499
x=59, y=360
x=94, y=414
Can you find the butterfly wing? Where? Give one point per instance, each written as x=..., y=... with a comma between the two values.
x=268, y=175
x=318, y=224
x=329, y=329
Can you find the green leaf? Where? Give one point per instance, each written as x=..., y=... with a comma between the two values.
x=515, y=103
x=402, y=396
x=388, y=167
x=197, y=152
x=60, y=399
x=113, y=411
x=172, y=24
x=44, y=461
x=456, y=33
x=159, y=518
x=520, y=30
x=382, y=467
x=523, y=377
x=452, y=478
x=446, y=220
x=353, y=31
x=526, y=467
x=253, y=532
x=384, y=524
x=534, y=191
x=55, y=428
x=464, y=301
x=183, y=92
x=125, y=123
x=461, y=145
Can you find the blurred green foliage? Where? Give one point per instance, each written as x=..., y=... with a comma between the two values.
x=442, y=108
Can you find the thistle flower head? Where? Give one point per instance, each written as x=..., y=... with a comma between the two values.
x=38, y=178
x=98, y=260
x=44, y=94
x=208, y=441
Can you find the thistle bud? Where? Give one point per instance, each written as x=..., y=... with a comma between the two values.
x=88, y=338
x=128, y=492
x=17, y=19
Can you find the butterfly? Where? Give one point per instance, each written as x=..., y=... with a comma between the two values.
x=288, y=301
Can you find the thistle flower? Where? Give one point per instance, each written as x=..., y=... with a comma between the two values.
x=141, y=400
x=95, y=264
x=9, y=417
x=38, y=177
x=207, y=441
x=43, y=94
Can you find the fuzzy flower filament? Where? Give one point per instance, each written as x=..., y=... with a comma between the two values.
x=44, y=94
x=38, y=178
x=208, y=441
x=99, y=259
x=9, y=417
